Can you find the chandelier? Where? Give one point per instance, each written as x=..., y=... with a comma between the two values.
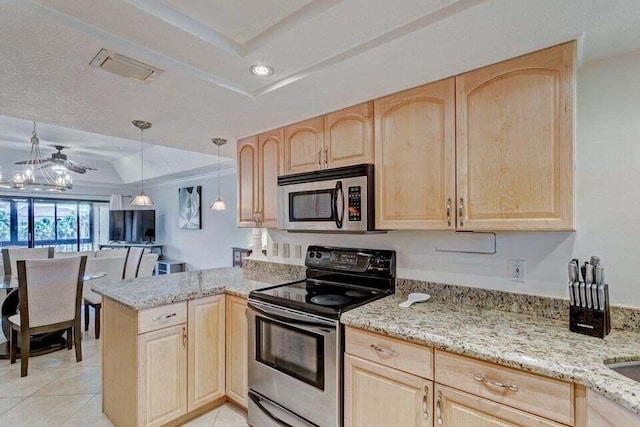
x=35, y=175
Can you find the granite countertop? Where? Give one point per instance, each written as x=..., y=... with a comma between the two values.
x=534, y=344
x=153, y=291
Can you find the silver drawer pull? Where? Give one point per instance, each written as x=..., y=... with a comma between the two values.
x=163, y=318
x=487, y=381
x=387, y=352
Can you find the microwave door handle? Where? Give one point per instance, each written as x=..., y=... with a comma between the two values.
x=339, y=216
x=289, y=320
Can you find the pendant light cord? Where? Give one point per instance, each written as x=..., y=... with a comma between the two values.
x=218, y=172
x=141, y=160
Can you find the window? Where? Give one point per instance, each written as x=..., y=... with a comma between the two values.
x=65, y=224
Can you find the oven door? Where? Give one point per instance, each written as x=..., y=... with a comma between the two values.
x=293, y=364
x=331, y=205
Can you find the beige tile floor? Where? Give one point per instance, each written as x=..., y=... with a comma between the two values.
x=60, y=392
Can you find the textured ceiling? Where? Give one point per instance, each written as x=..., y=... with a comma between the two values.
x=328, y=54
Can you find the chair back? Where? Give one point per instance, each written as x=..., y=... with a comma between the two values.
x=10, y=257
x=112, y=266
x=50, y=290
x=132, y=263
x=147, y=265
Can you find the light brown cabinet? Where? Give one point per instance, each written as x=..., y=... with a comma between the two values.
x=415, y=158
x=348, y=136
x=237, y=350
x=303, y=146
x=259, y=164
x=454, y=408
x=515, y=143
x=376, y=395
x=602, y=412
x=247, y=181
x=206, y=367
x=162, y=375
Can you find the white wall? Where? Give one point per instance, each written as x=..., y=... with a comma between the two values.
x=211, y=246
x=607, y=206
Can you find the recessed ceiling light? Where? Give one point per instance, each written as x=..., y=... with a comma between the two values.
x=261, y=70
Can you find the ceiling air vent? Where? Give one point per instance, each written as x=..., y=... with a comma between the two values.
x=124, y=66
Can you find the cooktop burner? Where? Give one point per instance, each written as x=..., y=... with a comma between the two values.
x=330, y=299
x=356, y=293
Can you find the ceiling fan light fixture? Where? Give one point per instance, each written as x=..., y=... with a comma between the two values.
x=262, y=70
x=59, y=169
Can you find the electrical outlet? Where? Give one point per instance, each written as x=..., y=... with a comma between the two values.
x=285, y=250
x=517, y=270
x=274, y=249
x=297, y=249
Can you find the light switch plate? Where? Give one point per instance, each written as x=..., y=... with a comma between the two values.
x=518, y=270
x=297, y=249
x=274, y=249
x=285, y=250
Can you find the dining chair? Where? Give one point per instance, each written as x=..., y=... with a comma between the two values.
x=10, y=257
x=132, y=263
x=50, y=297
x=113, y=267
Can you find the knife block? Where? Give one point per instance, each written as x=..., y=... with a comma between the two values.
x=591, y=321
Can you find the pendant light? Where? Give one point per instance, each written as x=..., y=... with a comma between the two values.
x=141, y=199
x=219, y=204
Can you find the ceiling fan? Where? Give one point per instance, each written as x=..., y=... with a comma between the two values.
x=59, y=163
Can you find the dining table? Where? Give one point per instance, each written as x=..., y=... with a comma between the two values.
x=42, y=343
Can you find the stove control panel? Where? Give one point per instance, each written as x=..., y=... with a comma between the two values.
x=363, y=261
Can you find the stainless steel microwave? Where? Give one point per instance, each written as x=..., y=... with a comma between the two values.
x=329, y=200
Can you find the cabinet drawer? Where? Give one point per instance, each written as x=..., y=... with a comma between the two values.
x=404, y=356
x=532, y=393
x=164, y=316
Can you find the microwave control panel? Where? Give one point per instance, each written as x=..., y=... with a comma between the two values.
x=355, y=210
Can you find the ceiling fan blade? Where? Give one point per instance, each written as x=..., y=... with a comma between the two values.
x=74, y=168
x=40, y=164
x=81, y=165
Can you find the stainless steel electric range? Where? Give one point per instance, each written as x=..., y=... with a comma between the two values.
x=296, y=340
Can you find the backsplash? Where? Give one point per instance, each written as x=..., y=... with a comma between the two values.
x=532, y=305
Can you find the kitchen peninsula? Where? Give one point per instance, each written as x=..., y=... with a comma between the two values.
x=175, y=346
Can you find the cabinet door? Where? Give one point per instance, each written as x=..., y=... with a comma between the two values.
x=269, y=167
x=237, y=350
x=515, y=131
x=454, y=408
x=303, y=143
x=206, y=321
x=602, y=412
x=162, y=375
x=247, y=181
x=375, y=395
x=415, y=158
x=348, y=136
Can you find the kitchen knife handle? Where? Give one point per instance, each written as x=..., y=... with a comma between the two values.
x=572, y=296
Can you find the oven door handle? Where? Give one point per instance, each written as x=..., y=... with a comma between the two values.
x=268, y=413
x=289, y=320
x=339, y=216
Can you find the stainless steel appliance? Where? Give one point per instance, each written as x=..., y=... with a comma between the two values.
x=330, y=200
x=296, y=339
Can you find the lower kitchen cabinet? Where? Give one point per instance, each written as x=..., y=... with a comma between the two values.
x=237, y=350
x=376, y=395
x=455, y=409
x=162, y=375
x=603, y=412
x=206, y=373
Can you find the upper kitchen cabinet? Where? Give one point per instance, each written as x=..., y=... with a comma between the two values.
x=270, y=150
x=515, y=132
x=247, y=181
x=303, y=146
x=415, y=158
x=348, y=136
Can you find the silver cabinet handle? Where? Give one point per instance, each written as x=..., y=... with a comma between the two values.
x=184, y=337
x=485, y=380
x=461, y=212
x=425, y=403
x=439, y=409
x=326, y=157
x=384, y=351
x=320, y=158
x=163, y=318
x=449, y=212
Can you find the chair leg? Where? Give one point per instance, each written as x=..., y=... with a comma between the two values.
x=69, y=338
x=78, y=340
x=97, y=319
x=86, y=316
x=13, y=345
x=24, y=352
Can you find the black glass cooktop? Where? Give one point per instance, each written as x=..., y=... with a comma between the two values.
x=318, y=297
